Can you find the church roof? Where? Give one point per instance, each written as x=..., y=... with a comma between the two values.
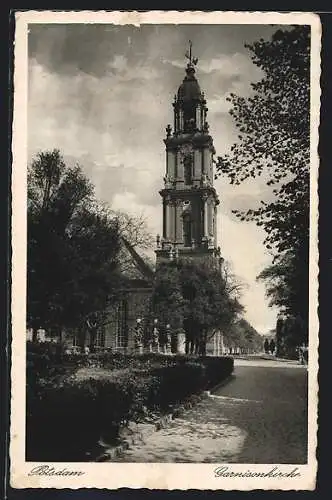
x=133, y=266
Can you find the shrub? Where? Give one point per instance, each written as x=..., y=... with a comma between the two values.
x=178, y=382
x=217, y=369
x=67, y=413
x=72, y=416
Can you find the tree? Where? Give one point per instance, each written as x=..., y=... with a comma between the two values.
x=291, y=332
x=134, y=229
x=287, y=285
x=167, y=298
x=242, y=334
x=274, y=142
x=72, y=246
x=193, y=296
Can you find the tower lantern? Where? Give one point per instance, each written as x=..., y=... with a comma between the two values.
x=189, y=198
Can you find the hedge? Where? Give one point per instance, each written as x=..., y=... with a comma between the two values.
x=66, y=416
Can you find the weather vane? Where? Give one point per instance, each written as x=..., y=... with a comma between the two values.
x=192, y=60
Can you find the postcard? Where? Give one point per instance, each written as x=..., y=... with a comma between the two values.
x=165, y=250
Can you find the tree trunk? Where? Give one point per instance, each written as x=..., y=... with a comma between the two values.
x=34, y=334
x=93, y=336
x=81, y=338
x=58, y=333
x=202, y=343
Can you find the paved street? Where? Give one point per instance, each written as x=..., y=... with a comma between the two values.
x=258, y=416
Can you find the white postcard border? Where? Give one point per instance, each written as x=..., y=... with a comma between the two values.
x=153, y=476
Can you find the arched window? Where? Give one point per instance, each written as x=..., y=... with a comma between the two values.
x=187, y=230
x=189, y=118
x=188, y=171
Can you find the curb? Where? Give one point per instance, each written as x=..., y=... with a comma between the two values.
x=285, y=360
x=220, y=385
x=138, y=436
x=271, y=358
x=161, y=423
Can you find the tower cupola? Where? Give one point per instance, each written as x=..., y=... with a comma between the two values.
x=189, y=103
x=189, y=89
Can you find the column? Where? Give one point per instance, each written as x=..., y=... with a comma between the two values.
x=164, y=219
x=198, y=117
x=168, y=218
x=167, y=162
x=170, y=169
x=181, y=343
x=202, y=116
x=179, y=167
x=203, y=161
x=210, y=218
x=181, y=119
x=197, y=164
x=222, y=343
x=175, y=220
x=210, y=170
x=172, y=220
x=207, y=162
x=178, y=221
x=205, y=211
x=215, y=225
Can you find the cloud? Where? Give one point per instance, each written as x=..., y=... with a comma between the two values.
x=178, y=63
x=127, y=201
x=229, y=65
x=128, y=72
x=119, y=62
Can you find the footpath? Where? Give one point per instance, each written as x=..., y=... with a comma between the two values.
x=258, y=416
x=201, y=434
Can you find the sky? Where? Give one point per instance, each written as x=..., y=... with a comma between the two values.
x=103, y=94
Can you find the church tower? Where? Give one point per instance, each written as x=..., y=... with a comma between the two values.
x=189, y=198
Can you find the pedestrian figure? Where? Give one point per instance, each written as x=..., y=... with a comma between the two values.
x=266, y=346
x=272, y=346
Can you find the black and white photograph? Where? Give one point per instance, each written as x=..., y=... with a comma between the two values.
x=165, y=270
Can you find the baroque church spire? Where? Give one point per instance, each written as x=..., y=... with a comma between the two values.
x=189, y=198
